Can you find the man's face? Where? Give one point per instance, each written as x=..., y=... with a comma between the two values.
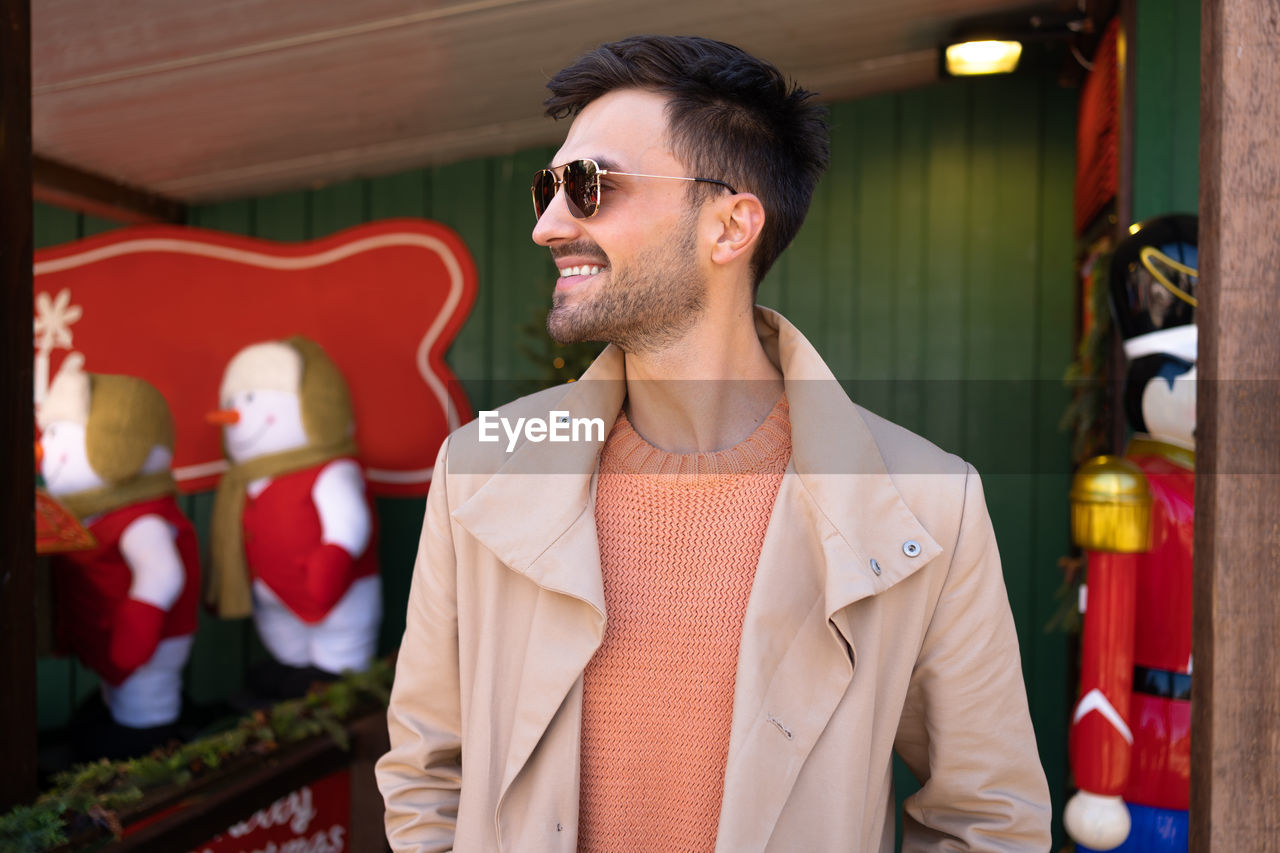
x=649, y=288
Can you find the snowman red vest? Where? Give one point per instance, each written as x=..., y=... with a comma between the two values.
x=293, y=527
x=126, y=608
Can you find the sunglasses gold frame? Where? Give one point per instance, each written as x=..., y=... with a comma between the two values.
x=594, y=173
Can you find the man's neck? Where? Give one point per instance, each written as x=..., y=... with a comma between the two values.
x=706, y=392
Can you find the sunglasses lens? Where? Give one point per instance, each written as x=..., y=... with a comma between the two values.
x=544, y=190
x=582, y=188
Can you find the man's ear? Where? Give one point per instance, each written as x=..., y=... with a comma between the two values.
x=740, y=219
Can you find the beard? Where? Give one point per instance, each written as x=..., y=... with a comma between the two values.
x=644, y=307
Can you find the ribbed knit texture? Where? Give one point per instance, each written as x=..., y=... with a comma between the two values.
x=680, y=538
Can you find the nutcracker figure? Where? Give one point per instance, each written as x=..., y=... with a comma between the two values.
x=1133, y=515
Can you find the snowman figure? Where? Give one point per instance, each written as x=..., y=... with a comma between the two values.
x=293, y=529
x=127, y=607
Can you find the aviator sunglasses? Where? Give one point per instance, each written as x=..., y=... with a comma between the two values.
x=582, y=186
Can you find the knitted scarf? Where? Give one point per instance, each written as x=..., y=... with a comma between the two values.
x=227, y=588
x=143, y=487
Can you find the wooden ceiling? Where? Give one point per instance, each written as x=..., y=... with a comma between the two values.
x=200, y=101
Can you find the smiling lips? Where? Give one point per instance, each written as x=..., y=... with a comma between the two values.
x=571, y=277
x=585, y=269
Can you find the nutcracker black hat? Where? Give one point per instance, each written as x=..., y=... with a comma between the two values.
x=1153, y=286
x=1153, y=299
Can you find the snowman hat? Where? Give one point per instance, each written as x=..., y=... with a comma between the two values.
x=269, y=366
x=68, y=395
x=299, y=366
x=124, y=418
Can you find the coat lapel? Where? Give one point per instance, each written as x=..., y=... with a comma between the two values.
x=793, y=669
x=836, y=511
x=536, y=513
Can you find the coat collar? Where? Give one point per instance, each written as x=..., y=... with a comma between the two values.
x=837, y=510
x=529, y=513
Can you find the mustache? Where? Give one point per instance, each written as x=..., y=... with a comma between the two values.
x=582, y=248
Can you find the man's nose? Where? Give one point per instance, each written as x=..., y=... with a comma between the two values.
x=556, y=223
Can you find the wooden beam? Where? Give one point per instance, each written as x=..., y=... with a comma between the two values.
x=17, y=524
x=1235, y=700
x=66, y=186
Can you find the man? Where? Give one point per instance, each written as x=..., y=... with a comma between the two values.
x=712, y=628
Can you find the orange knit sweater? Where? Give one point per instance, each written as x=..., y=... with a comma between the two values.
x=680, y=538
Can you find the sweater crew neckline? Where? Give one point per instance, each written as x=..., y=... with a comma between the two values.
x=765, y=451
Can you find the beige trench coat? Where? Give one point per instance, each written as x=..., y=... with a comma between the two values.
x=878, y=621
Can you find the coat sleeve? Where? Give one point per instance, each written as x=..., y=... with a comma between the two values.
x=966, y=731
x=421, y=775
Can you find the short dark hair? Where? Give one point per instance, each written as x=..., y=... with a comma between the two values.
x=732, y=117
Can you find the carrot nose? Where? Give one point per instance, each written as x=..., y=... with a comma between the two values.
x=39, y=454
x=223, y=417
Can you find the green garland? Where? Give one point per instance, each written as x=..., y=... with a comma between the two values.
x=1087, y=418
x=1088, y=414
x=92, y=795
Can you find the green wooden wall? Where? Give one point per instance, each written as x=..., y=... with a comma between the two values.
x=934, y=273
x=1166, y=108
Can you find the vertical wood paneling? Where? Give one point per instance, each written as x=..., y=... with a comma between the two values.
x=1185, y=134
x=807, y=279
x=283, y=217
x=1050, y=696
x=336, y=207
x=53, y=225
x=406, y=194
x=1166, y=107
x=946, y=257
x=910, y=194
x=772, y=289
x=875, y=162
x=236, y=217
x=91, y=225
x=839, y=333
x=1002, y=410
x=522, y=272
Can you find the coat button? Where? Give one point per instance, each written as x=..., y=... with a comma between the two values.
x=911, y=547
x=875, y=566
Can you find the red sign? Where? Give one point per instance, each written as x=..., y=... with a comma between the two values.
x=316, y=818
x=173, y=305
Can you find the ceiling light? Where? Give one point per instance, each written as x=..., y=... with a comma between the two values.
x=968, y=58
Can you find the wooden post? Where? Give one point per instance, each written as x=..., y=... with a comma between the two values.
x=17, y=528
x=1235, y=741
